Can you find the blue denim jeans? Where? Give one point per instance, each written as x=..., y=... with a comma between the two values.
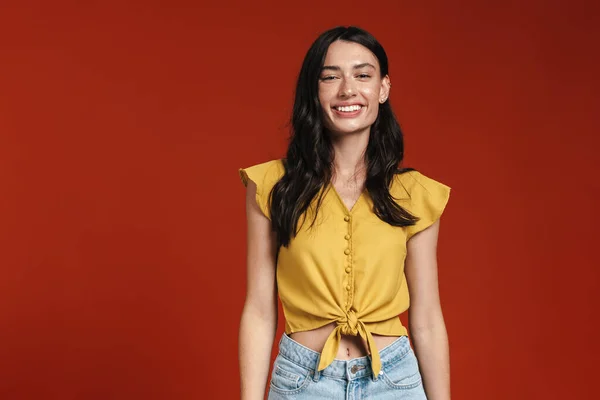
x=295, y=375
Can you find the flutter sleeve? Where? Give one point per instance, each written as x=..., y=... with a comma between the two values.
x=265, y=176
x=424, y=198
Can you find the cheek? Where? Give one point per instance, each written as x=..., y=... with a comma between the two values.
x=326, y=94
x=373, y=112
x=322, y=100
x=372, y=94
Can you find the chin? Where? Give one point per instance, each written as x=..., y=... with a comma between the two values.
x=345, y=128
x=340, y=131
x=351, y=127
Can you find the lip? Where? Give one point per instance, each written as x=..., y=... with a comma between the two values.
x=352, y=114
x=347, y=103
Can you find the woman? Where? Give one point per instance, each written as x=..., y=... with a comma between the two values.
x=343, y=235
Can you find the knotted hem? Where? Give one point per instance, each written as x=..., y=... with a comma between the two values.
x=332, y=345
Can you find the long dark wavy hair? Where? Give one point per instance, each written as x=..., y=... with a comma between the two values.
x=309, y=160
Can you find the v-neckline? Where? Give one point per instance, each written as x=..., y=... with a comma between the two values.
x=346, y=209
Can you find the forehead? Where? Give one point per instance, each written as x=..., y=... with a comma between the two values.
x=347, y=54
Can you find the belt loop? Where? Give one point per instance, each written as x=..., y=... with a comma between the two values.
x=317, y=374
x=281, y=340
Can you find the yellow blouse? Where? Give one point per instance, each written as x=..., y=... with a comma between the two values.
x=349, y=267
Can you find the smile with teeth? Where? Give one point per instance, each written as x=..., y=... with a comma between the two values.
x=349, y=108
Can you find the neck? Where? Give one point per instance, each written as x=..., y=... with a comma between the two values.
x=349, y=154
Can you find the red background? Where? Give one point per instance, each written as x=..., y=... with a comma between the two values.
x=122, y=239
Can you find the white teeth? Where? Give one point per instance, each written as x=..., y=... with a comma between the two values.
x=349, y=108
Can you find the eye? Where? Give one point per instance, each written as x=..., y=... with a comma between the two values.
x=364, y=76
x=328, y=78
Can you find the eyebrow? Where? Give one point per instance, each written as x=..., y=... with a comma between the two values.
x=357, y=66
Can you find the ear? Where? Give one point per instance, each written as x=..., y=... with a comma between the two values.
x=384, y=92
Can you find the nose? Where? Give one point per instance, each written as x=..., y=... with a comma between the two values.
x=347, y=88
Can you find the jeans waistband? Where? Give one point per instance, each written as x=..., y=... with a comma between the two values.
x=345, y=369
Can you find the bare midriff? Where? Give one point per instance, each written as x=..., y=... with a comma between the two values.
x=350, y=346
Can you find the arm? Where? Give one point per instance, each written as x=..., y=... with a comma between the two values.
x=425, y=318
x=259, y=317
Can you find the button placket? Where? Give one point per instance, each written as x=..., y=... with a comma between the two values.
x=348, y=268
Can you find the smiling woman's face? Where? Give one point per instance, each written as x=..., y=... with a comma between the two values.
x=351, y=88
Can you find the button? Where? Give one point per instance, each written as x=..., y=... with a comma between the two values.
x=347, y=237
x=348, y=287
x=348, y=270
x=347, y=251
x=356, y=367
x=346, y=218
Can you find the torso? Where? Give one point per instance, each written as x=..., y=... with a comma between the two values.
x=350, y=346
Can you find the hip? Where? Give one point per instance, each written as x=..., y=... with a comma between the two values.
x=295, y=374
